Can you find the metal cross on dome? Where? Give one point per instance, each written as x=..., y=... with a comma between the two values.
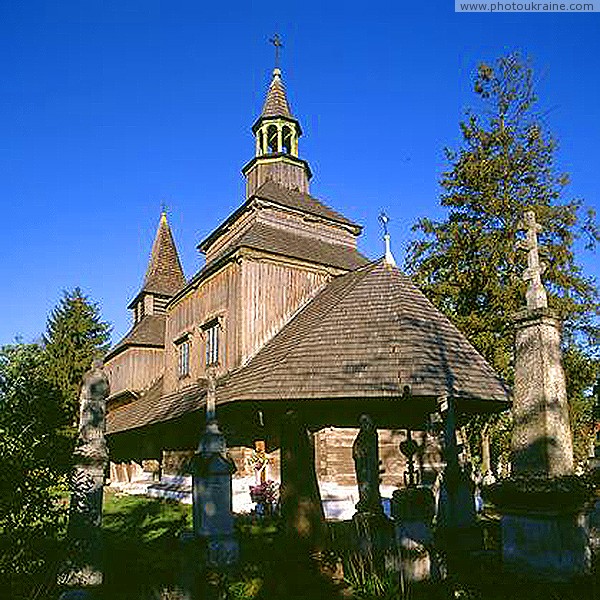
x=276, y=41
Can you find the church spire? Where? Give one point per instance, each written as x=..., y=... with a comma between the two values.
x=277, y=132
x=164, y=275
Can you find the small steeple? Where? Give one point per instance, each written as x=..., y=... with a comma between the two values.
x=277, y=132
x=164, y=275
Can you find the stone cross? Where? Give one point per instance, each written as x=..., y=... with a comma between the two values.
x=536, y=294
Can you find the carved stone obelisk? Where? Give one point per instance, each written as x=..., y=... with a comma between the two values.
x=544, y=528
x=83, y=570
x=541, y=435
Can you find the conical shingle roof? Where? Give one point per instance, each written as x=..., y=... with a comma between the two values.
x=164, y=274
x=276, y=104
x=368, y=334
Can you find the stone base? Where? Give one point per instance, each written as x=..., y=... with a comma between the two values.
x=414, y=540
x=374, y=534
x=550, y=546
x=222, y=552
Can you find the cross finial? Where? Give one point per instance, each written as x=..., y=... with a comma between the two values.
x=389, y=257
x=276, y=41
x=536, y=293
x=163, y=207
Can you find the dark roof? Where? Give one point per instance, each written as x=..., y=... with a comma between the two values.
x=369, y=333
x=299, y=201
x=277, y=240
x=153, y=407
x=164, y=274
x=150, y=331
x=276, y=104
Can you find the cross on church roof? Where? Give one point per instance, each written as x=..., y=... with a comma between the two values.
x=276, y=41
x=536, y=293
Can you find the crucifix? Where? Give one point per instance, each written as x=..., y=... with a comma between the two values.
x=276, y=41
x=536, y=293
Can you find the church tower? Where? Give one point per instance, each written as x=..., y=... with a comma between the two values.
x=277, y=132
x=164, y=275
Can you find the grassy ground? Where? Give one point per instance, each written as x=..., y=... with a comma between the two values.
x=150, y=554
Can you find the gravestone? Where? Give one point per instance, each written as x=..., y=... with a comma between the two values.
x=457, y=529
x=212, y=492
x=374, y=531
x=83, y=569
x=544, y=529
x=413, y=509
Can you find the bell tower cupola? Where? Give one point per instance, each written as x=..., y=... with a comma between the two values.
x=277, y=132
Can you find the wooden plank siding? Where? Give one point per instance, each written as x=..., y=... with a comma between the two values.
x=217, y=296
x=271, y=293
x=134, y=369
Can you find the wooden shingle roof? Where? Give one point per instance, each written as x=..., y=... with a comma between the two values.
x=154, y=407
x=284, y=242
x=149, y=332
x=368, y=334
x=164, y=274
x=276, y=104
x=299, y=201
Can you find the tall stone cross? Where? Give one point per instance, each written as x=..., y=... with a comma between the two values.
x=276, y=41
x=536, y=294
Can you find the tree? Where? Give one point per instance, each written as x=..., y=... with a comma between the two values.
x=74, y=335
x=34, y=460
x=469, y=265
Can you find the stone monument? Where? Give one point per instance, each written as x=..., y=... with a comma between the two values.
x=374, y=531
x=457, y=531
x=211, y=489
x=544, y=528
x=83, y=570
x=413, y=509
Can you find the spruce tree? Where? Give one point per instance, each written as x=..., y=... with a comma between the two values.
x=469, y=265
x=75, y=334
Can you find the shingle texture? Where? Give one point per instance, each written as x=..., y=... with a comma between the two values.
x=284, y=242
x=276, y=104
x=150, y=331
x=299, y=201
x=153, y=407
x=164, y=274
x=369, y=333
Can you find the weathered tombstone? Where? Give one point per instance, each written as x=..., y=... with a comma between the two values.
x=544, y=528
x=82, y=572
x=457, y=529
x=211, y=491
x=374, y=531
x=413, y=509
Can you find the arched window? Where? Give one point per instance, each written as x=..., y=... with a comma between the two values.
x=272, y=139
x=287, y=139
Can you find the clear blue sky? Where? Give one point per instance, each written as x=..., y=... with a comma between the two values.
x=109, y=108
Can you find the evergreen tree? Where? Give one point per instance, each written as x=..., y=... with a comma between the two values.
x=74, y=335
x=469, y=264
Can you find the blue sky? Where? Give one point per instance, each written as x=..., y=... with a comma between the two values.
x=110, y=108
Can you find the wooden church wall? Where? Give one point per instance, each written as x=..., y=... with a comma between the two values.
x=271, y=293
x=135, y=369
x=218, y=296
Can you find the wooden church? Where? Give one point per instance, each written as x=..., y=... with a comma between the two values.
x=288, y=315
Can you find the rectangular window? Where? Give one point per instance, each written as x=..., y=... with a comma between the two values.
x=212, y=344
x=184, y=358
